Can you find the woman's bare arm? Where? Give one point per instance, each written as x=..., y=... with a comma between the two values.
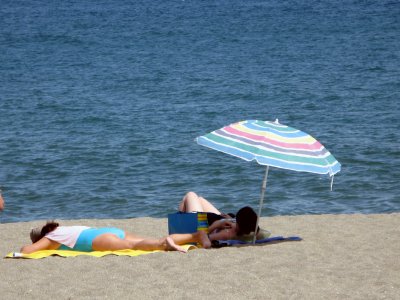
x=42, y=244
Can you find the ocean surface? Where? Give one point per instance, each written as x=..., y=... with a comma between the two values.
x=101, y=102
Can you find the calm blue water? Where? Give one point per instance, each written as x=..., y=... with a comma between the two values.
x=100, y=103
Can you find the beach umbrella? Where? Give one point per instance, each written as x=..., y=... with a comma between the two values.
x=272, y=144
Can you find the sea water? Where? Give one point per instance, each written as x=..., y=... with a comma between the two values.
x=101, y=102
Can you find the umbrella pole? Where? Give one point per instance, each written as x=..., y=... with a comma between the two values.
x=263, y=188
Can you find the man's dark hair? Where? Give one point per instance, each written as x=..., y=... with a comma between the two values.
x=246, y=219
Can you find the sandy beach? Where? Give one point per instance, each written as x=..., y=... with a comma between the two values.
x=340, y=257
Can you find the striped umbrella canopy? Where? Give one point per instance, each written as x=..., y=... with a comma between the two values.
x=272, y=144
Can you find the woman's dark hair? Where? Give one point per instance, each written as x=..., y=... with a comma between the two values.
x=246, y=219
x=38, y=233
x=49, y=227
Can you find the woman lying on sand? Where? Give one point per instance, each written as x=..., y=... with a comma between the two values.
x=221, y=226
x=82, y=238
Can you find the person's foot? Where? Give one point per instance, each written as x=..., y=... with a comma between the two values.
x=170, y=245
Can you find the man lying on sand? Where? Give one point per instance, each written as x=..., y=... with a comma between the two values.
x=222, y=226
x=82, y=238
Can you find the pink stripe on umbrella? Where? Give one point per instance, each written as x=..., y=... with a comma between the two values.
x=315, y=146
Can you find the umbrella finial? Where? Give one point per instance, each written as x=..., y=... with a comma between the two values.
x=276, y=121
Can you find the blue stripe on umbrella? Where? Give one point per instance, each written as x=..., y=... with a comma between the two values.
x=295, y=133
x=267, y=160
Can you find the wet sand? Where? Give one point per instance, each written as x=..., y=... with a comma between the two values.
x=340, y=257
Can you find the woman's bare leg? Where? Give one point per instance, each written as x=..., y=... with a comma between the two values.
x=110, y=242
x=173, y=241
x=165, y=243
x=208, y=207
x=142, y=243
x=191, y=202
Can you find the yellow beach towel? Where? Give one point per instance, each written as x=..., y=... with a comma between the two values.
x=68, y=253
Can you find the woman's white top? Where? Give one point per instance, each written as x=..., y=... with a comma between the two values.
x=66, y=235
